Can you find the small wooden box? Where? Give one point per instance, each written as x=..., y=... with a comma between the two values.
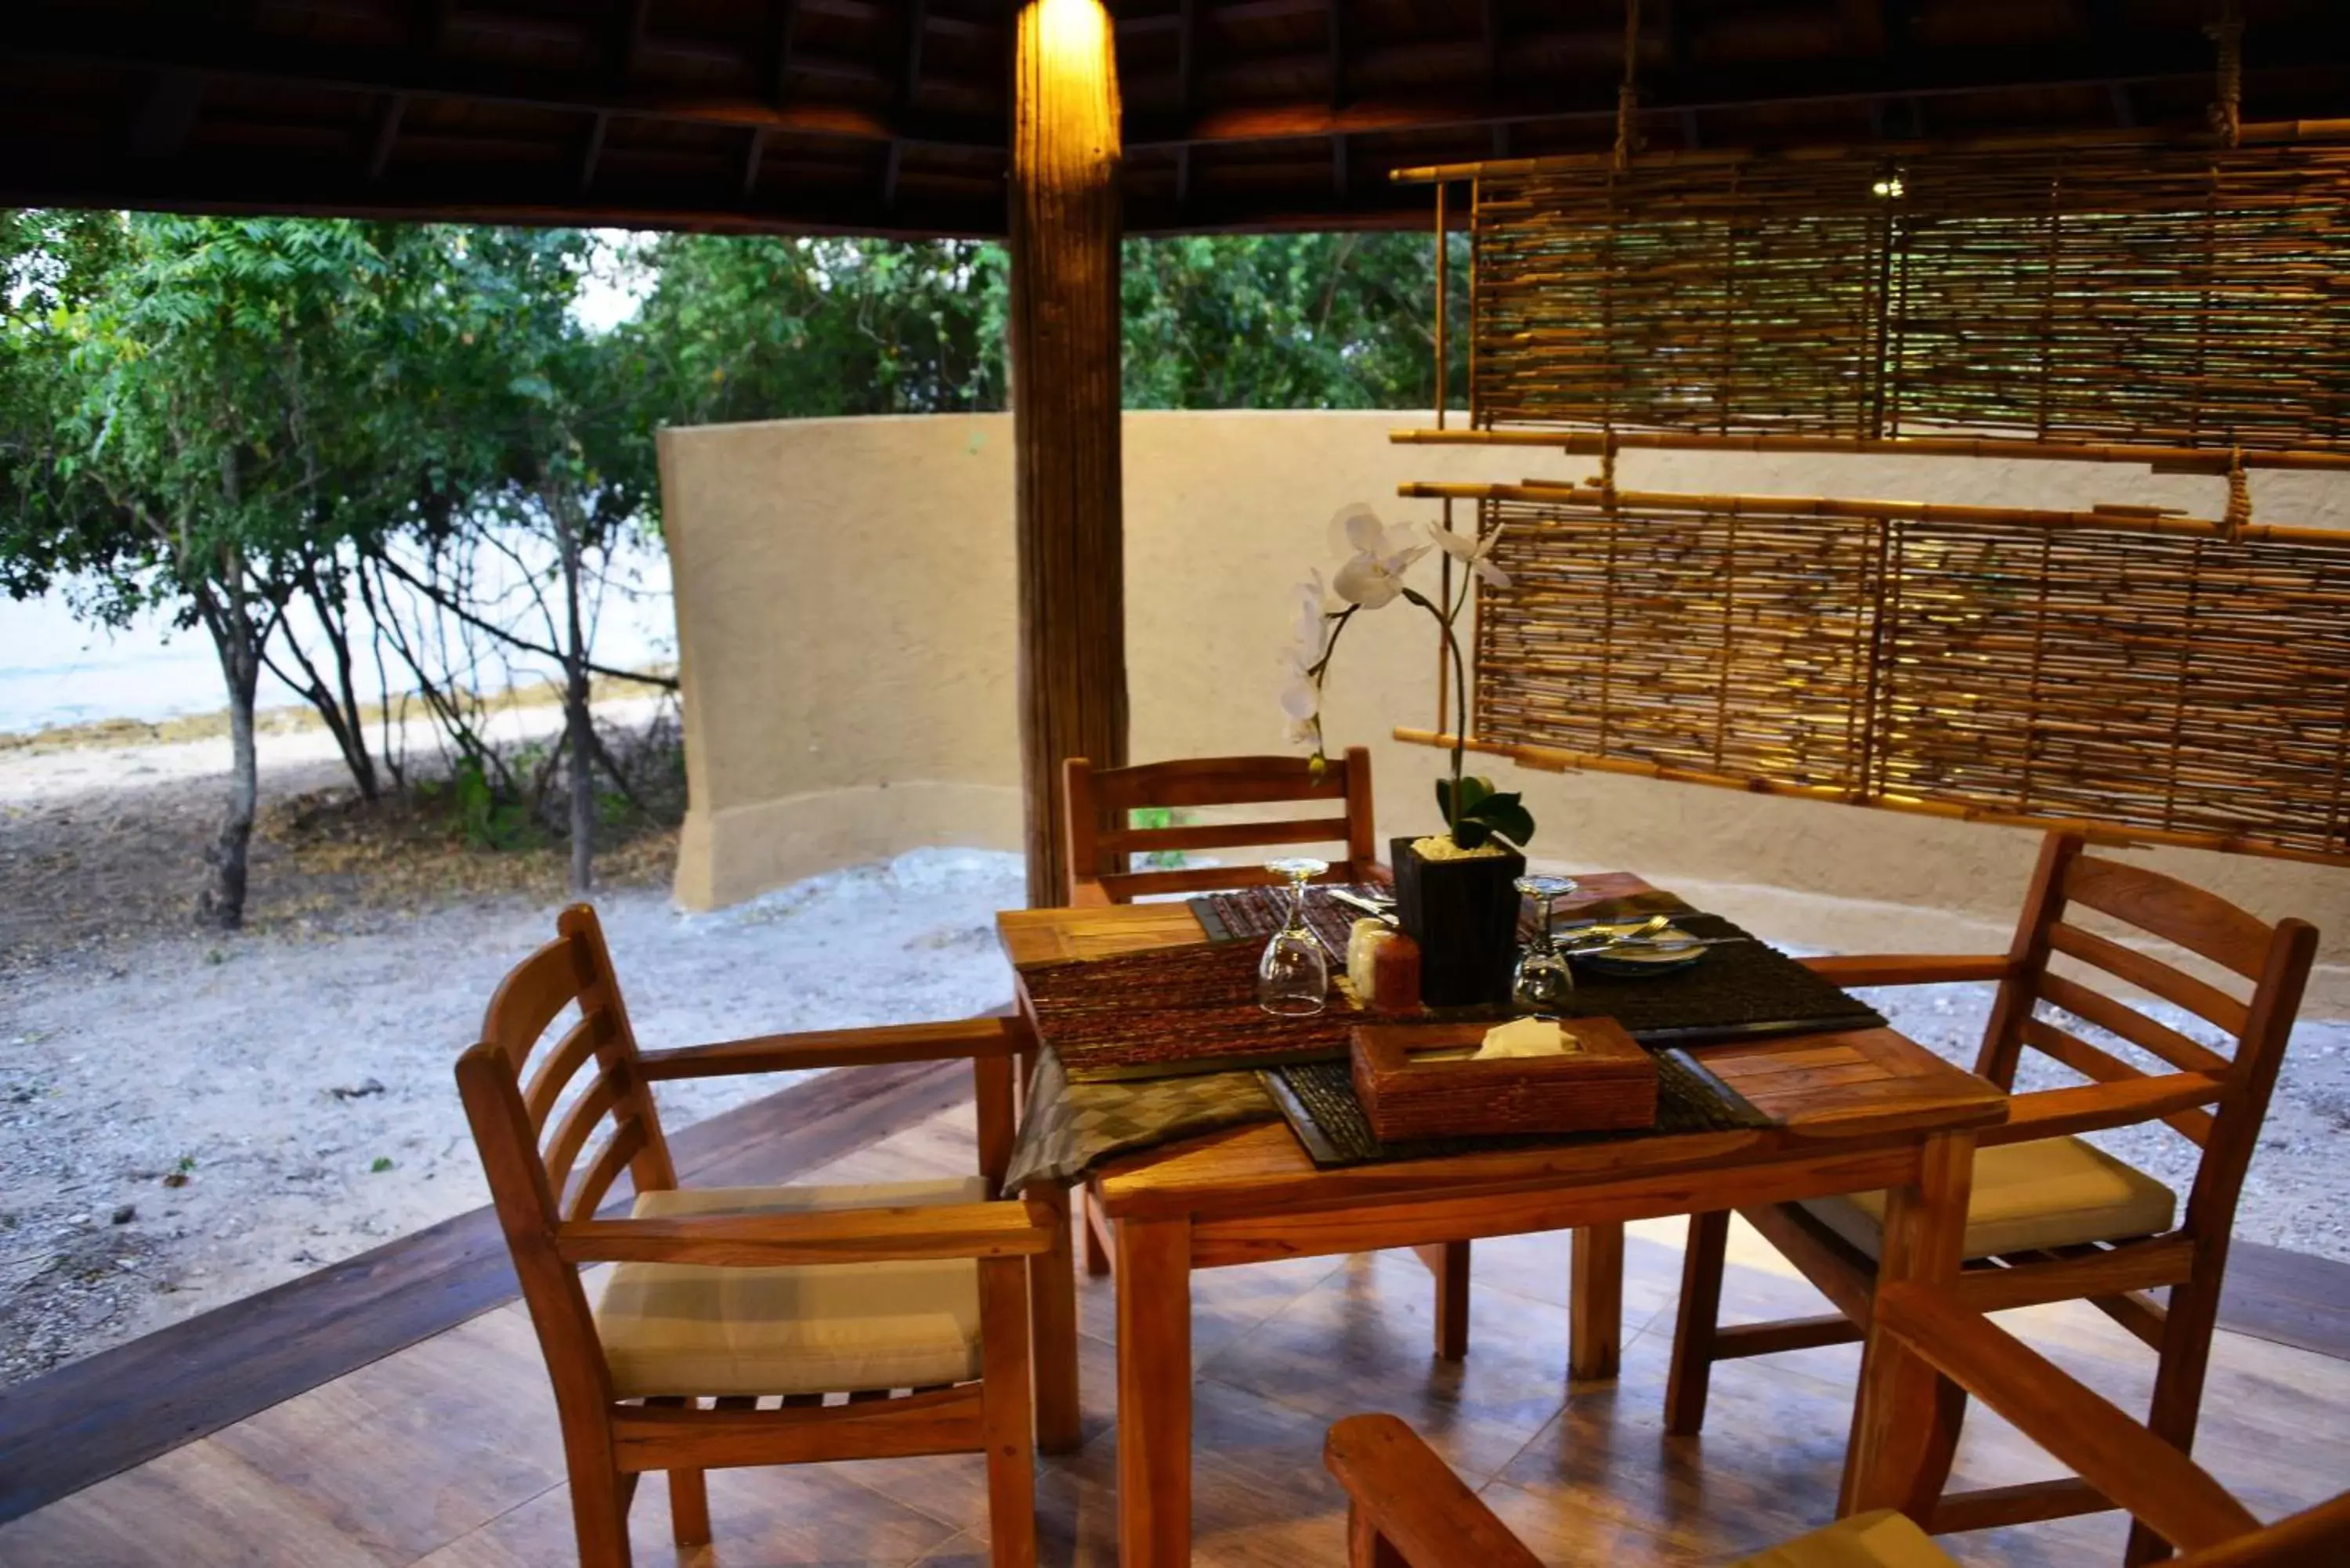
x=1611, y=1083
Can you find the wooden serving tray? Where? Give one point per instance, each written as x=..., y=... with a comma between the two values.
x=1611, y=1083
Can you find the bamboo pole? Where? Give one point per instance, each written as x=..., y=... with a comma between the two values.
x=2111, y=519
x=2166, y=459
x=2272, y=133
x=1552, y=759
x=1065, y=353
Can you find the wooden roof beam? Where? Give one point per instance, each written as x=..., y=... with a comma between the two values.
x=776, y=49
x=167, y=116
x=1337, y=22
x=374, y=72
x=387, y=134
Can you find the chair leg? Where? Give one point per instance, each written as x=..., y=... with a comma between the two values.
x=689, y=1495
x=1693, y=1328
x=688, y=1508
x=1005, y=1412
x=600, y=1513
x=1097, y=1250
x=2194, y=1308
x=1052, y=1327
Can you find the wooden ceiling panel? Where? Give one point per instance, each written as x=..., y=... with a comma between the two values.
x=1242, y=113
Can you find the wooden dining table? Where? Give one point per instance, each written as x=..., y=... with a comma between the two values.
x=1852, y=1110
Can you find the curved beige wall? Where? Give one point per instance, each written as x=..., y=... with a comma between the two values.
x=844, y=621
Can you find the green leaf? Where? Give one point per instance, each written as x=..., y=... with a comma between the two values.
x=1472, y=790
x=1504, y=816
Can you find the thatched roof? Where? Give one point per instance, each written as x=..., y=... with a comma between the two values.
x=890, y=115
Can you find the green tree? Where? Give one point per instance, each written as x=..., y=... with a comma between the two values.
x=547, y=432
x=765, y=328
x=1287, y=321
x=196, y=421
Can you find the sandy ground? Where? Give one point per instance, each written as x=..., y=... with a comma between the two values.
x=186, y=1119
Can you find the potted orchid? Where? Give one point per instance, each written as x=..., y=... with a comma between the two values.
x=1455, y=892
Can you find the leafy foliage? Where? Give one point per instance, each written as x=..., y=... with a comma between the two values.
x=1286, y=321
x=228, y=418
x=1484, y=814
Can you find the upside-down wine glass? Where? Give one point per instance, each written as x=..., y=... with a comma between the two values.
x=1543, y=982
x=1293, y=978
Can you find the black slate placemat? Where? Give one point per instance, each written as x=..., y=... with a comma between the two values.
x=1319, y=1101
x=1742, y=989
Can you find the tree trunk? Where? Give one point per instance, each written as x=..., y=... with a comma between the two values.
x=221, y=902
x=337, y=705
x=577, y=723
x=1065, y=343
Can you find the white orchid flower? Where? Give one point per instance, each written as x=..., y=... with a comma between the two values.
x=1309, y=631
x=1473, y=552
x=1383, y=553
x=1303, y=733
x=1301, y=699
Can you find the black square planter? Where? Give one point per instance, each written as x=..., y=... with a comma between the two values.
x=1464, y=916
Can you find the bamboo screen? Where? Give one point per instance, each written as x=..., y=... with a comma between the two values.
x=2118, y=291
x=2138, y=674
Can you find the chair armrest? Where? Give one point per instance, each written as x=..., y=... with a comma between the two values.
x=2129, y=1464
x=1085, y=893
x=1401, y=1494
x=955, y=1041
x=2087, y=1107
x=1906, y=969
x=822, y=1235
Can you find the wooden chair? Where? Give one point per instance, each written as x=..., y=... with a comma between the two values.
x=1407, y=1507
x=735, y=1310
x=2052, y=1219
x=1101, y=837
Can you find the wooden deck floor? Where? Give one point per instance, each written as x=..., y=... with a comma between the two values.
x=445, y=1453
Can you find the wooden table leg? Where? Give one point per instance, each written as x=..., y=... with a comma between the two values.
x=1905, y=1426
x=1448, y=1261
x=1154, y=1393
x=1052, y=1327
x=1595, y=1324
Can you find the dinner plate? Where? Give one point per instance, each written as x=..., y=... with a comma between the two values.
x=1673, y=951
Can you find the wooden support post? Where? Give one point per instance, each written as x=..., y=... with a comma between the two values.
x=1065, y=229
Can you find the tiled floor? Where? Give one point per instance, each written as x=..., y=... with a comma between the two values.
x=446, y=1454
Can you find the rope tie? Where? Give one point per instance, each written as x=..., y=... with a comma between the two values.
x=2239, y=497
x=2226, y=115
x=1628, y=96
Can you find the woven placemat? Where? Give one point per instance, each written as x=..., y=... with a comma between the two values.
x=1173, y=1011
x=1319, y=1101
x=1253, y=914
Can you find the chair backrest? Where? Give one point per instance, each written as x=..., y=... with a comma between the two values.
x=537, y=1100
x=1101, y=837
x=2275, y=959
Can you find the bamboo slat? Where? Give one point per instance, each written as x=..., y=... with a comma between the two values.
x=2115, y=291
x=2151, y=676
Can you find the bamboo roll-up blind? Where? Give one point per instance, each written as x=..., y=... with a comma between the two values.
x=2145, y=674
x=2128, y=291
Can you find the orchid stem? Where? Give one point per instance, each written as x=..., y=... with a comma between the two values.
x=1461, y=694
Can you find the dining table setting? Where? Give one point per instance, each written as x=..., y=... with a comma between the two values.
x=1270, y=1071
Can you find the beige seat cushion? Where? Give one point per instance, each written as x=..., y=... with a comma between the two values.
x=2056, y=1192
x=1881, y=1539
x=676, y=1328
